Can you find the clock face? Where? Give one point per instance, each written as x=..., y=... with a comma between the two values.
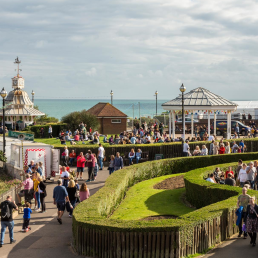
x=15, y=82
x=21, y=82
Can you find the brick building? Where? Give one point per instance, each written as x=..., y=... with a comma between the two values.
x=111, y=119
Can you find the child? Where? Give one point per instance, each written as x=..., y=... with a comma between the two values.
x=111, y=165
x=26, y=218
x=76, y=184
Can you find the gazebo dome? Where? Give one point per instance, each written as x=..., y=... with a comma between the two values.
x=200, y=98
x=18, y=97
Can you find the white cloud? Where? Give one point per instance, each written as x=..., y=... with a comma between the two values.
x=138, y=44
x=92, y=72
x=41, y=44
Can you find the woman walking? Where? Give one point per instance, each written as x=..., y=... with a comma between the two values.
x=90, y=165
x=71, y=190
x=43, y=194
x=251, y=218
x=84, y=192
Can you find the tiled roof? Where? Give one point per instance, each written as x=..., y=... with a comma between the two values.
x=105, y=110
x=200, y=97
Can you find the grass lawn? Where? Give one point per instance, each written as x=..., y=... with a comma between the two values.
x=142, y=201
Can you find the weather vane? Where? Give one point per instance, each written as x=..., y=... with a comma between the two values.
x=17, y=61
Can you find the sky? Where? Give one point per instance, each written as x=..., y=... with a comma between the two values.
x=85, y=48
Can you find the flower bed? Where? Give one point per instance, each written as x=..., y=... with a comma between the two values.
x=6, y=182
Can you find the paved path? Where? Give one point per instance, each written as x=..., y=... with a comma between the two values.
x=234, y=247
x=47, y=238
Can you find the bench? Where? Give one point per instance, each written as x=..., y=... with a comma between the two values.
x=144, y=157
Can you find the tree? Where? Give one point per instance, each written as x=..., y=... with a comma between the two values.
x=75, y=118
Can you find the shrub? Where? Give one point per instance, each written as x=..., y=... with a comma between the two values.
x=100, y=206
x=75, y=118
x=56, y=128
x=216, y=203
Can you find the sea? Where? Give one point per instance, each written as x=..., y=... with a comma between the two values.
x=60, y=107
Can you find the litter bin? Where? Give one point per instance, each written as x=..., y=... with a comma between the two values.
x=225, y=135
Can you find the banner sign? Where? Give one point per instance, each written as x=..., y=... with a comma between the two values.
x=28, y=136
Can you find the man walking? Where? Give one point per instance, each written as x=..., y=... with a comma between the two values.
x=186, y=149
x=101, y=151
x=60, y=196
x=243, y=200
x=7, y=218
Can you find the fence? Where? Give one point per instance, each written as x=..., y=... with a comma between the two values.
x=168, y=244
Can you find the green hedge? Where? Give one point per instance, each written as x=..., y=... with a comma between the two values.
x=96, y=211
x=55, y=127
x=169, y=150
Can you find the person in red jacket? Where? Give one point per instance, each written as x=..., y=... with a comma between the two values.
x=222, y=149
x=90, y=165
x=80, y=165
x=229, y=171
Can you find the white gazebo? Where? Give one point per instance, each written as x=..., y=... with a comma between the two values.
x=198, y=101
x=19, y=109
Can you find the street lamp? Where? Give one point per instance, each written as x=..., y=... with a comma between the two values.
x=3, y=95
x=156, y=93
x=32, y=93
x=111, y=93
x=182, y=89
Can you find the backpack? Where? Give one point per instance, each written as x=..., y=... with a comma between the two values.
x=5, y=211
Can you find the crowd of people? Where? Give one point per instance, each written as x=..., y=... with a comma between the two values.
x=245, y=176
x=215, y=148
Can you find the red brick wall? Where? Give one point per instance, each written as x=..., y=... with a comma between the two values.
x=106, y=127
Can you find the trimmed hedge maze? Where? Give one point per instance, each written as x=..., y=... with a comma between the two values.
x=96, y=234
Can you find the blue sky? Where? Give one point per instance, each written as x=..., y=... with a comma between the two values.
x=86, y=48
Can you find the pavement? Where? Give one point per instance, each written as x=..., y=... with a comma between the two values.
x=47, y=238
x=234, y=247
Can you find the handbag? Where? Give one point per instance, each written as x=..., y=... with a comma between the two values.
x=77, y=194
x=243, y=228
x=68, y=206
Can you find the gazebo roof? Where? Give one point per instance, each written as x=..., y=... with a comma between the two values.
x=200, y=98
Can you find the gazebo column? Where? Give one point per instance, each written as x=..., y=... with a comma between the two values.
x=209, y=122
x=215, y=124
x=192, y=125
x=169, y=124
x=229, y=113
x=228, y=125
x=173, y=125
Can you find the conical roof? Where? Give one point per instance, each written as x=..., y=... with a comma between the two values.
x=18, y=97
x=200, y=97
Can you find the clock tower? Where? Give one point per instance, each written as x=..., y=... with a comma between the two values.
x=17, y=81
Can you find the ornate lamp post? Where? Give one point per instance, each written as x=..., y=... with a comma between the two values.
x=32, y=93
x=3, y=94
x=111, y=93
x=182, y=89
x=156, y=93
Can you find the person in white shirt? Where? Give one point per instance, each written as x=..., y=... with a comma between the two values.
x=242, y=176
x=65, y=176
x=186, y=149
x=204, y=151
x=211, y=138
x=211, y=178
x=101, y=152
